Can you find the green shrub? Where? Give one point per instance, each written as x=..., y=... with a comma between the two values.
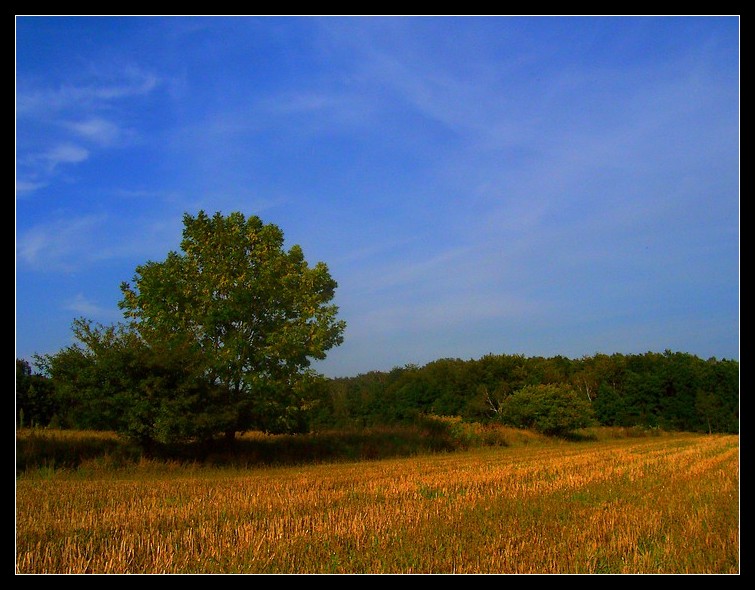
x=554, y=410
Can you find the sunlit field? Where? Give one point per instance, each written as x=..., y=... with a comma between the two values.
x=664, y=504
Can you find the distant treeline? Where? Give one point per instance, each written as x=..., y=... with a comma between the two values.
x=670, y=390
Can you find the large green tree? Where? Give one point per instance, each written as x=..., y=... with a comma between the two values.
x=256, y=313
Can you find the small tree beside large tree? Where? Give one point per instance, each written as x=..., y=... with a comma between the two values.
x=219, y=336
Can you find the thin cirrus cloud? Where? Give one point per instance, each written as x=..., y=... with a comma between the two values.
x=475, y=184
x=59, y=245
x=96, y=129
x=35, y=171
x=28, y=186
x=65, y=124
x=64, y=154
x=78, y=243
x=82, y=306
x=68, y=96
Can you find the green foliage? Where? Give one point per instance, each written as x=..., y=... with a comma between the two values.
x=220, y=337
x=671, y=390
x=35, y=397
x=91, y=377
x=219, y=340
x=609, y=406
x=555, y=410
x=717, y=397
x=111, y=379
x=455, y=433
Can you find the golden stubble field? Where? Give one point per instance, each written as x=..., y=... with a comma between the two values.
x=666, y=504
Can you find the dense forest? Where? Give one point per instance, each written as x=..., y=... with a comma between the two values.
x=675, y=391
x=669, y=390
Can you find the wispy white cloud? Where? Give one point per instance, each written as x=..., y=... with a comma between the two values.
x=63, y=244
x=67, y=153
x=64, y=117
x=139, y=194
x=446, y=312
x=79, y=243
x=405, y=272
x=531, y=180
x=37, y=102
x=84, y=307
x=28, y=186
x=95, y=129
x=372, y=250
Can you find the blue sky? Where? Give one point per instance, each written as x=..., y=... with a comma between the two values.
x=539, y=186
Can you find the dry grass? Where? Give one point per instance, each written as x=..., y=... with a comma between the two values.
x=667, y=504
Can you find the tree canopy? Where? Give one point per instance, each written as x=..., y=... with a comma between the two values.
x=671, y=390
x=553, y=409
x=218, y=337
